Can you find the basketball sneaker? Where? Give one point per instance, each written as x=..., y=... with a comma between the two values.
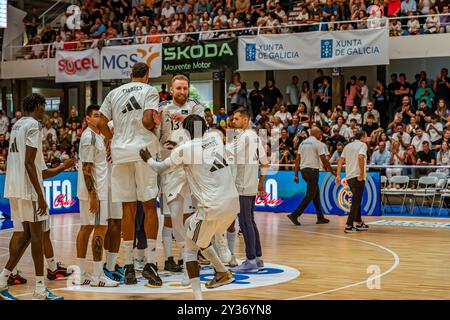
x=351, y=230
x=60, y=272
x=233, y=262
x=150, y=273
x=139, y=263
x=260, y=263
x=119, y=269
x=202, y=260
x=114, y=275
x=362, y=226
x=294, y=219
x=130, y=274
x=103, y=281
x=84, y=280
x=46, y=295
x=171, y=266
x=6, y=295
x=220, y=280
x=15, y=279
x=246, y=267
x=322, y=221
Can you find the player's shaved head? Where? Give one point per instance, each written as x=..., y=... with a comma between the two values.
x=316, y=132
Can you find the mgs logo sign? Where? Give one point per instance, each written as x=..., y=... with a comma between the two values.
x=326, y=49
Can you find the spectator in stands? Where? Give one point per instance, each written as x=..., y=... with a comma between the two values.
x=410, y=160
x=379, y=95
x=382, y=156
x=361, y=17
x=371, y=127
x=442, y=111
x=444, y=21
x=412, y=126
x=413, y=23
x=4, y=124
x=397, y=158
x=4, y=144
x=395, y=28
x=222, y=117
x=31, y=22
x=73, y=118
x=303, y=115
x=442, y=86
x=424, y=6
x=2, y=164
x=371, y=111
x=206, y=34
x=363, y=93
x=403, y=88
x=425, y=157
x=295, y=128
x=351, y=89
x=284, y=115
x=233, y=90
x=17, y=116
x=262, y=118
x=56, y=121
x=402, y=137
x=48, y=129
x=325, y=95
x=337, y=154
x=54, y=152
x=424, y=93
x=432, y=24
x=330, y=9
x=164, y=95
x=292, y=94
x=272, y=95
x=354, y=115
x=306, y=96
x=419, y=139
x=443, y=158
x=408, y=7
x=97, y=29
x=394, y=8
x=256, y=99
x=435, y=130
x=208, y=112
x=335, y=139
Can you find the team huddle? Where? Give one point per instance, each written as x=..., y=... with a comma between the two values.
x=136, y=149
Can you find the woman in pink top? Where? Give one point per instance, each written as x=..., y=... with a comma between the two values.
x=350, y=94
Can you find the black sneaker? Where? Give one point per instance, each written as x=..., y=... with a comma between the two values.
x=172, y=266
x=15, y=279
x=293, y=218
x=351, y=230
x=150, y=273
x=60, y=272
x=362, y=227
x=130, y=274
x=181, y=263
x=322, y=221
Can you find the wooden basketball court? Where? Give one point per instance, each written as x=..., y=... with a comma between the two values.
x=403, y=262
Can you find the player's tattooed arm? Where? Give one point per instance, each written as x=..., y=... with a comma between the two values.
x=88, y=173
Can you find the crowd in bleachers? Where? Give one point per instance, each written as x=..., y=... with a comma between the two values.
x=104, y=22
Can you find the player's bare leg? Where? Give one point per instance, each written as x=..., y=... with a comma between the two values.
x=179, y=231
x=112, y=243
x=128, y=223
x=99, y=279
x=151, y=226
x=231, y=238
x=55, y=270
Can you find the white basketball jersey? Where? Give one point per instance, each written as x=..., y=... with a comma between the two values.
x=172, y=130
x=209, y=176
x=125, y=106
x=93, y=150
x=25, y=132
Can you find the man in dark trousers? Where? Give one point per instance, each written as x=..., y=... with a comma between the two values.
x=310, y=153
x=355, y=158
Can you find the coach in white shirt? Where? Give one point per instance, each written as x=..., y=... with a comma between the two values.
x=355, y=158
x=310, y=153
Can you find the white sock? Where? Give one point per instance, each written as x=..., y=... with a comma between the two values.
x=252, y=261
x=98, y=269
x=151, y=251
x=231, y=238
x=167, y=242
x=81, y=263
x=111, y=258
x=14, y=271
x=51, y=264
x=210, y=254
x=197, y=289
x=141, y=254
x=128, y=246
x=40, y=284
x=4, y=277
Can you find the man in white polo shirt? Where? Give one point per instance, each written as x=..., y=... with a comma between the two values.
x=355, y=158
x=310, y=153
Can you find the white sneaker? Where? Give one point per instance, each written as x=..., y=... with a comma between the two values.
x=103, y=281
x=233, y=262
x=139, y=264
x=84, y=280
x=46, y=295
x=222, y=248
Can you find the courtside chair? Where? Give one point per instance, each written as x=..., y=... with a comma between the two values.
x=398, y=187
x=383, y=185
x=442, y=178
x=427, y=190
x=445, y=194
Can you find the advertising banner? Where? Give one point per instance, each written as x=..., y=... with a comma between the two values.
x=284, y=195
x=74, y=66
x=60, y=193
x=314, y=50
x=117, y=61
x=200, y=56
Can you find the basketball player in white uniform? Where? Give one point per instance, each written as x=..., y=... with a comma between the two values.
x=24, y=188
x=175, y=189
x=212, y=184
x=132, y=107
x=93, y=196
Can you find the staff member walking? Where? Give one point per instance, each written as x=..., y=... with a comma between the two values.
x=310, y=153
x=355, y=158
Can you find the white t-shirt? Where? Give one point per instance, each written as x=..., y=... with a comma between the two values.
x=357, y=117
x=93, y=150
x=364, y=96
x=310, y=151
x=418, y=142
x=209, y=176
x=434, y=135
x=374, y=112
x=285, y=117
x=25, y=132
x=167, y=13
x=172, y=130
x=4, y=124
x=406, y=138
x=351, y=154
x=125, y=106
x=246, y=153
